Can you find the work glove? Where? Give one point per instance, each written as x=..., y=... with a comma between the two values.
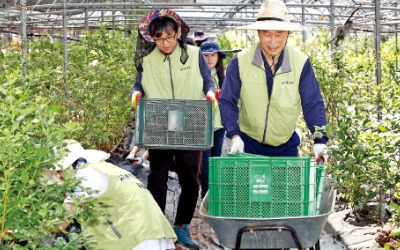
x=298, y=132
x=131, y=156
x=217, y=94
x=211, y=97
x=133, y=159
x=237, y=144
x=135, y=97
x=320, y=153
x=138, y=160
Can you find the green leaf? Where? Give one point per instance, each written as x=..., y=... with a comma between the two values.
x=24, y=176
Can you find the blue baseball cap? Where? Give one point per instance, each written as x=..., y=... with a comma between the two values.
x=210, y=47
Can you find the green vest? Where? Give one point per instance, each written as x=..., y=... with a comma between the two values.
x=217, y=115
x=272, y=121
x=164, y=76
x=133, y=214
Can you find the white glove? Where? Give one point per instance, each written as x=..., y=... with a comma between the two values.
x=237, y=145
x=320, y=150
x=138, y=160
x=131, y=156
x=298, y=132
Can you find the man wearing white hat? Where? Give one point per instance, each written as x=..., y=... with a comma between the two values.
x=134, y=219
x=265, y=88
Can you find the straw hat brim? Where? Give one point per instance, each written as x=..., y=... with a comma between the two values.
x=271, y=25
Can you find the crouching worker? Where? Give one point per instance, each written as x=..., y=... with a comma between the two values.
x=134, y=220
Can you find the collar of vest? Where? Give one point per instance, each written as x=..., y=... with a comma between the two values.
x=285, y=67
x=174, y=52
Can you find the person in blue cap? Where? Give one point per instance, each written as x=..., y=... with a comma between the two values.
x=214, y=57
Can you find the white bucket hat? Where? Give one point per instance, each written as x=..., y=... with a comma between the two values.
x=273, y=15
x=75, y=151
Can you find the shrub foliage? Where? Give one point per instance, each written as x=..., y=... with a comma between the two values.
x=90, y=103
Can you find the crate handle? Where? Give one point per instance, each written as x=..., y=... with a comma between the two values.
x=175, y=120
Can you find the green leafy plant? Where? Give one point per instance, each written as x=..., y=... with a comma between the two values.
x=363, y=147
x=40, y=109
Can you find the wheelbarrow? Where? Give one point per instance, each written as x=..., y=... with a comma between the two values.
x=272, y=233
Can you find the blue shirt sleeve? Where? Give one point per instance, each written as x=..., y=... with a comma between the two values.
x=312, y=102
x=229, y=98
x=205, y=71
x=138, y=85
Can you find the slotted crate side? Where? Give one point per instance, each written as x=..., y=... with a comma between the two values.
x=261, y=187
x=320, y=184
x=174, y=124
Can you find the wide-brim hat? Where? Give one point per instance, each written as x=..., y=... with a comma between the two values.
x=273, y=15
x=211, y=47
x=145, y=43
x=73, y=151
x=144, y=23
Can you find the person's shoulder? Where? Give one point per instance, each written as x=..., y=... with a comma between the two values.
x=90, y=172
x=91, y=178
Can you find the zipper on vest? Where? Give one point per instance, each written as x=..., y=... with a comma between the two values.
x=115, y=230
x=266, y=115
x=266, y=122
x=170, y=76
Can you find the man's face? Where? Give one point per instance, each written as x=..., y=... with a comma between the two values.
x=166, y=42
x=273, y=41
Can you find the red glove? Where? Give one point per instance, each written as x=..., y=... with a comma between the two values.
x=217, y=94
x=211, y=97
x=135, y=97
x=320, y=153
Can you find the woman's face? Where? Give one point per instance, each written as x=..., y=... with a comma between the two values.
x=166, y=42
x=273, y=41
x=211, y=59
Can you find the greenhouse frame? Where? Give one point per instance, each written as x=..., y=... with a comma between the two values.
x=38, y=17
x=21, y=20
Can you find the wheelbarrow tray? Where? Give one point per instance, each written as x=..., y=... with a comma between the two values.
x=269, y=233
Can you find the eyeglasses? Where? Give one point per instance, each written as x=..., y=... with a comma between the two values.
x=162, y=40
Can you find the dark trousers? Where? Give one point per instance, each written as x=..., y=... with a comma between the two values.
x=216, y=150
x=186, y=167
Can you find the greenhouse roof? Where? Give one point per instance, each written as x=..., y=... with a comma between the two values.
x=210, y=16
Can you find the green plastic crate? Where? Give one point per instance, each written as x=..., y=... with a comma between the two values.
x=262, y=187
x=320, y=185
x=174, y=124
